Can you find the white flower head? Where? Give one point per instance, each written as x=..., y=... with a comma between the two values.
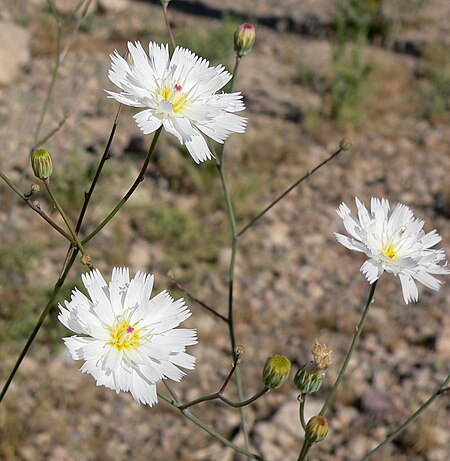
x=180, y=93
x=395, y=243
x=128, y=341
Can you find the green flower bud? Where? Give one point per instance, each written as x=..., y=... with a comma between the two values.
x=316, y=429
x=244, y=38
x=309, y=378
x=276, y=371
x=42, y=164
x=345, y=144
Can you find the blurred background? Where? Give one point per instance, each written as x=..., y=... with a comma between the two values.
x=377, y=72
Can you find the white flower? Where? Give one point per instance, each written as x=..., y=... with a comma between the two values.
x=129, y=341
x=179, y=93
x=395, y=243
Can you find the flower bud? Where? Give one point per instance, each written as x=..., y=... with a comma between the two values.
x=309, y=378
x=35, y=188
x=316, y=429
x=345, y=144
x=42, y=164
x=276, y=371
x=244, y=38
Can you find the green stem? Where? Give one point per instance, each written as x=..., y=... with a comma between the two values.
x=105, y=157
x=124, y=199
x=350, y=351
x=169, y=29
x=59, y=57
x=304, y=451
x=209, y=429
x=68, y=263
x=234, y=241
x=219, y=396
x=302, y=410
x=39, y=323
x=283, y=194
x=64, y=216
x=36, y=208
x=408, y=421
x=51, y=86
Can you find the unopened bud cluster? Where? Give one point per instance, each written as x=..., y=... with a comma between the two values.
x=244, y=38
x=276, y=371
x=309, y=377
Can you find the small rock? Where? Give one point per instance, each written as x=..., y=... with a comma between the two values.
x=376, y=402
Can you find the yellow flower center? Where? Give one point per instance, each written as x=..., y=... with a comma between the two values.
x=175, y=96
x=123, y=335
x=389, y=251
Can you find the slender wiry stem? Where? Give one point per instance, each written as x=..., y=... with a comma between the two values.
x=35, y=207
x=306, y=443
x=219, y=396
x=40, y=321
x=169, y=29
x=350, y=351
x=59, y=57
x=408, y=421
x=302, y=399
x=60, y=23
x=65, y=218
x=50, y=134
x=124, y=199
x=209, y=429
x=67, y=265
x=198, y=301
x=289, y=189
x=106, y=156
x=234, y=241
x=236, y=360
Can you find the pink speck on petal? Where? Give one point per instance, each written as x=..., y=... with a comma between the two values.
x=178, y=87
x=130, y=329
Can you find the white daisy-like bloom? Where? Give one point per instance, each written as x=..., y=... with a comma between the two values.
x=128, y=341
x=395, y=243
x=180, y=93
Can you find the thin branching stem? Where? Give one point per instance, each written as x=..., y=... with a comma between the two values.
x=289, y=189
x=35, y=207
x=302, y=399
x=64, y=217
x=408, y=421
x=40, y=321
x=50, y=134
x=169, y=29
x=198, y=301
x=67, y=265
x=134, y=186
x=106, y=156
x=306, y=444
x=234, y=242
x=209, y=429
x=220, y=396
x=353, y=345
